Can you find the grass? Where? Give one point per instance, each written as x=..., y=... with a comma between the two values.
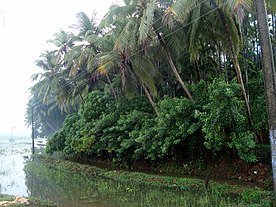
x=173, y=191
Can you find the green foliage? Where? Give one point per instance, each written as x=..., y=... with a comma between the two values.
x=225, y=122
x=56, y=143
x=263, y=153
x=95, y=104
x=115, y=130
x=132, y=50
x=253, y=196
x=258, y=103
x=128, y=129
x=173, y=125
x=59, y=141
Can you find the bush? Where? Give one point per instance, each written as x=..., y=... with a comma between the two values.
x=225, y=122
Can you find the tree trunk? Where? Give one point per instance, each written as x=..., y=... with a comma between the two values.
x=150, y=98
x=269, y=79
x=197, y=71
x=175, y=72
x=236, y=66
x=145, y=89
x=75, y=84
x=112, y=88
x=274, y=35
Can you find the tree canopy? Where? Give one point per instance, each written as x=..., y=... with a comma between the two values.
x=156, y=79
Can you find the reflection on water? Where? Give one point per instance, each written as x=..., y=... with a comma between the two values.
x=13, y=154
x=24, y=177
x=77, y=190
x=12, y=176
x=73, y=190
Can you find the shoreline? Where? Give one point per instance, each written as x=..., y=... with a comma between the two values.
x=242, y=192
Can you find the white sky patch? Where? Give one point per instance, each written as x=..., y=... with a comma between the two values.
x=25, y=26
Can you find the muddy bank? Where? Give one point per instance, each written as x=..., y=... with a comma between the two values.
x=160, y=181
x=224, y=170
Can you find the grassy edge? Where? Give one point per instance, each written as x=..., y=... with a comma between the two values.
x=245, y=193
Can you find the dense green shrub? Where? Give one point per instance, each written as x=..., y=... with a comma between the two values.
x=113, y=130
x=128, y=129
x=59, y=140
x=224, y=120
x=174, y=123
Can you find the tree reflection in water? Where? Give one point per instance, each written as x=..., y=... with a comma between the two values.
x=73, y=190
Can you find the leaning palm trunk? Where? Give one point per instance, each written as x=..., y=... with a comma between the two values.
x=236, y=66
x=75, y=84
x=175, y=72
x=145, y=90
x=112, y=88
x=269, y=79
x=149, y=98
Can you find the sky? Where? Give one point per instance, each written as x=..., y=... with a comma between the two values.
x=25, y=27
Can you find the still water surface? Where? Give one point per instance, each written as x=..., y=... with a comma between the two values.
x=22, y=176
x=12, y=160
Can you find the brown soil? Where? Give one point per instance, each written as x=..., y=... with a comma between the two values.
x=225, y=170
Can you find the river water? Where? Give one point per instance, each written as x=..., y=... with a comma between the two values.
x=19, y=175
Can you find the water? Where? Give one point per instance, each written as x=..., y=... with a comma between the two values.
x=13, y=155
x=22, y=176
x=76, y=190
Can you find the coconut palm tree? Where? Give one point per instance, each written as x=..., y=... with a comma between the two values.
x=141, y=16
x=269, y=78
x=51, y=82
x=229, y=13
x=82, y=62
x=133, y=68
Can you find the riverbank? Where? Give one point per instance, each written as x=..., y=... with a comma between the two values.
x=232, y=171
x=242, y=194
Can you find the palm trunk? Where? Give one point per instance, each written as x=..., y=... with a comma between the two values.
x=145, y=90
x=236, y=66
x=175, y=72
x=274, y=35
x=75, y=84
x=269, y=79
x=112, y=88
x=149, y=98
x=197, y=71
x=219, y=58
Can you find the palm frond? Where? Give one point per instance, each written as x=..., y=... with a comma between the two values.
x=146, y=21
x=127, y=37
x=169, y=18
x=85, y=24
x=35, y=76
x=146, y=72
x=233, y=29
x=193, y=37
x=182, y=9
x=115, y=12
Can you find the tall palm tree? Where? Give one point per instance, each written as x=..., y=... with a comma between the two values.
x=269, y=78
x=141, y=16
x=195, y=12
x=134, y=69
x=51, y=82
x=82, y=61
